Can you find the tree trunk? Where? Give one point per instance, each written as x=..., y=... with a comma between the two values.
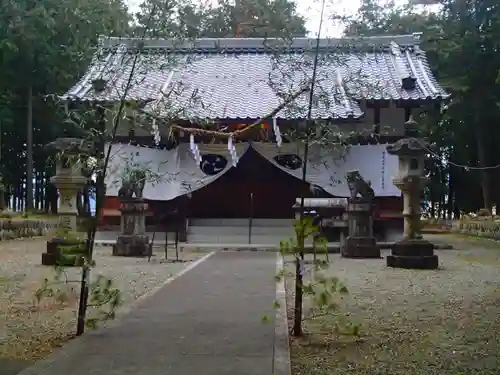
x=485, y=178
x=37, y=191
x=29, y=152
x=86, y=201
x=451, y=196
x=22, y=195
x=46, y=196
x=53, y=200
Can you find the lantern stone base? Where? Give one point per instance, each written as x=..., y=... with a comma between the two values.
x=132, y=246
x=360, y=247
x=64, y=252
x=413, y=254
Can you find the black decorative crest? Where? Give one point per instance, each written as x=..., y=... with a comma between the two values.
x=289, y=161
x=212, y=164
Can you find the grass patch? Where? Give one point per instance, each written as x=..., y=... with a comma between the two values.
x=487, y=243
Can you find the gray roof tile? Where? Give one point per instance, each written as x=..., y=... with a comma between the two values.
x=248, y=78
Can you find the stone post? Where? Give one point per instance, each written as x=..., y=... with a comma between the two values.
x=69, y=181
x=133, y=241
x=412, y=251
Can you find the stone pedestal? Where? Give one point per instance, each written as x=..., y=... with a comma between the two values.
x=67, y=247
x=360, y=242
x=133, y=241
x=413, y=254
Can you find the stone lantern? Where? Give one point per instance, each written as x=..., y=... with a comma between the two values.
x=69, y=181
x=412, y=251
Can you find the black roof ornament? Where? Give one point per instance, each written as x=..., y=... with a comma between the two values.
x=99, y=84
x=408, y=83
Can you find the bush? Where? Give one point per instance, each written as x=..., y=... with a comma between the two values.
x=478, y=228
x=23, y=228
x=483, y=212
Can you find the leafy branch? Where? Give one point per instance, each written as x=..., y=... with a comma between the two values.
x=323, y=292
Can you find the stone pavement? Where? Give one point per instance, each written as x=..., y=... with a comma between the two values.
x=208, y=321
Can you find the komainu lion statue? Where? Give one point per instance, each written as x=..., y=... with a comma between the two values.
x=133, y=185
x=357, y=185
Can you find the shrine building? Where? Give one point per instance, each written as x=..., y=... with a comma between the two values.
x=365, y=87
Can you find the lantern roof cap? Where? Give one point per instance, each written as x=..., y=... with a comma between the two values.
x=70, y=145
x=408, y=147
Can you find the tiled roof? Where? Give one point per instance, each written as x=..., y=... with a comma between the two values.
x=247, y=78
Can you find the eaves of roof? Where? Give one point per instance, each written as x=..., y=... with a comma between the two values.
x=247, y=78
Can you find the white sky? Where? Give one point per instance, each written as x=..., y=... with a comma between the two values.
x=311, y=10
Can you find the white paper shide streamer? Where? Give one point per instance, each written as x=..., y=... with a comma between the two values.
x=194, y=149
x=232, y=151
x=277, y=132
x=155, y=131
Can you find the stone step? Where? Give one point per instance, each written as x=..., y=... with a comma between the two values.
x=237, y=239
x=333, y=247
x=110, y=236
x=241, y=222
x=240, y=230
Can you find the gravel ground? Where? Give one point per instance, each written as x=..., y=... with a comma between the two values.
x=29, y=331
x=412, y=322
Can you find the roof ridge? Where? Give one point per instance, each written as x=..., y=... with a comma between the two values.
x=217, y=44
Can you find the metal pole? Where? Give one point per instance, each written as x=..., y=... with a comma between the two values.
x=250, y=220
x=177, y=225
x=165, y=226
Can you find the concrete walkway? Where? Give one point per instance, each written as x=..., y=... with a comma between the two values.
x=207, y=321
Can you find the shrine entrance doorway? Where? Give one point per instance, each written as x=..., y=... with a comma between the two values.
x=255, y=188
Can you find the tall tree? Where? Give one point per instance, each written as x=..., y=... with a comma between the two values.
x=244, y=18
x=44, y=49
x=460, y=44
x=471, y=32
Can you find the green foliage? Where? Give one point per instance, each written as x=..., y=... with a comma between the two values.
x=460, y=40
x=104, y=298
x=45, y=47
x=478, y=228
x=321, y=291
x=14, y=226
x=186, y=19
x=303, y=230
